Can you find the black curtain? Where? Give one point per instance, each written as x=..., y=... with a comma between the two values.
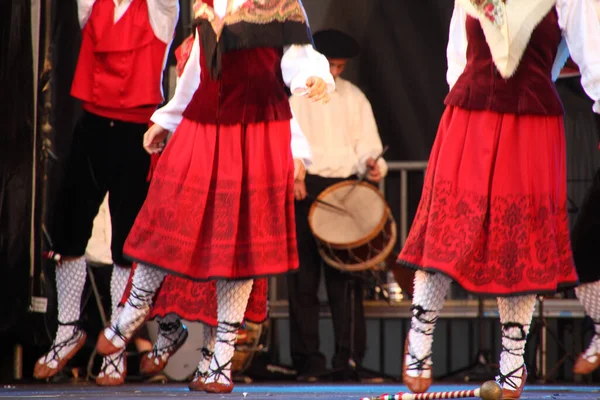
x=402, y=67
x=16, y=155
x=16, y=165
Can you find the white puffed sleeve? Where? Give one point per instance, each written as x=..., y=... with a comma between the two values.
x=456, y=51
x=163, y=16
x=299, y=63
x=170, y=115
x=581, y=28
x=84, y=10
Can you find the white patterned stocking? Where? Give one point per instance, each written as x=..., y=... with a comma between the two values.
x=208, y=349
x=118, y=282
x=146, y=281
x=171, y=332
x=113, y=365
x=232, y=297
x=70, y=281
x=515, y=317
x=430, y=291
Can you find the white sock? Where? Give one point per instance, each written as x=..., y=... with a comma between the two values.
x=515, y=317
x=232, y=297
x=114, y=365
x=118, y=282
x=589, y=296
x=430, y=291
x=146, y=281
x=208, y=349
x=70, y=281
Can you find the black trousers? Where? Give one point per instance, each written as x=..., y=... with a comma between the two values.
x=304, y=303
x=585, y=236
x=106, y=156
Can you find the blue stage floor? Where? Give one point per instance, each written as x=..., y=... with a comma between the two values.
x=264, y=391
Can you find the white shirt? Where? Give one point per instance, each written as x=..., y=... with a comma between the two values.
x=342, y=134
x=580, y=28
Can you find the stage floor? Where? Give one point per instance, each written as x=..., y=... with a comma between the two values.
x=264, y=392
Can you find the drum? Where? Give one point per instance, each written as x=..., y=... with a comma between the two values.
x=359, y=238
x=251, y=339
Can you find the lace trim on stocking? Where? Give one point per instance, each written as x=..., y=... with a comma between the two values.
x=53, y=353
x=224, y=328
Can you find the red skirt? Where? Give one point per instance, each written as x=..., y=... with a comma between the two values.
x=197, y=301
x=220, y=204
x=493, y=212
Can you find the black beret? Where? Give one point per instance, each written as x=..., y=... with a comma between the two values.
x=336, y=44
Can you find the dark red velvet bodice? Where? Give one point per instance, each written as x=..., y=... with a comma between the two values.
x=249, y=89
x=529, y=91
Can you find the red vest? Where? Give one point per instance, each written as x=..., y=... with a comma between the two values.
x=529, y=91
x=249, y=89
x=120, y=66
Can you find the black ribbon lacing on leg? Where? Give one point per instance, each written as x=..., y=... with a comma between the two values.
x=168, y=331
x=207, y=355
x=224, y=328
x=114, y=362
x=144, y=298
x=518, y=352
x=419, y=313
x=55, y=349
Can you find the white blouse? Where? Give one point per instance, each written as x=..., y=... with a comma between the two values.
x=163, y=15
x=580, y=27
x=299, y=62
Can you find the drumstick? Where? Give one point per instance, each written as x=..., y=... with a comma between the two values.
x=325, y=203
x=364, y=176
x=490, y=390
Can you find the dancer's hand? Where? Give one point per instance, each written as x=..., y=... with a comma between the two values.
x=299, y=190
x=317, y=89
x=299, y=170
x=154, y=139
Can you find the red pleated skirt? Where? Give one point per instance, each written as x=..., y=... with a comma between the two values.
x=493, y=212
x=220, y=204
x=197, y=300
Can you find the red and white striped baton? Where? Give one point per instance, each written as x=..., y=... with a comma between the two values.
x=490, y=390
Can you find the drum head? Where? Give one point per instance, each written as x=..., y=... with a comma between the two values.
x=367, y=213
